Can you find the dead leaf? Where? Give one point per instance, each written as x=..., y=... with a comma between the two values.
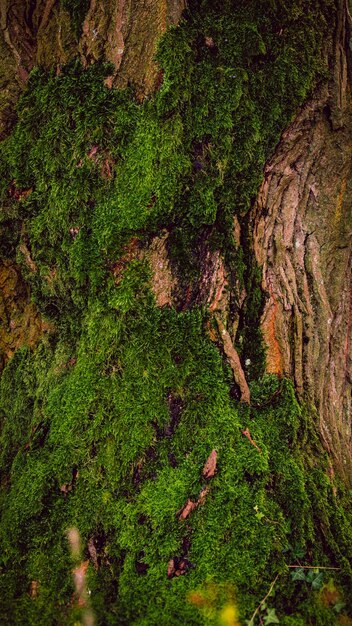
x=171, y=568
x=210, y=465
x=203, y=495
x=247, y=434
x=34, y=588
x=209, y=41
x=106, y=170
x=186, y=509
x=93, y=553
x=178, y=566
x=183, y=566
x=74, y=231
x=79, y=576
x=66, y=488
x=92, y=152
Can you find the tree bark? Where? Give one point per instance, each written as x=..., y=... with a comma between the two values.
x=302, y=239
x=301, y=220
x=40, y=32
x=135, y=422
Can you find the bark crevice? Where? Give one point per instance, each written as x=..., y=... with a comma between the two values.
x=302, y=239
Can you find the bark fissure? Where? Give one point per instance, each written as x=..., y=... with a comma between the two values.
x=302, y=240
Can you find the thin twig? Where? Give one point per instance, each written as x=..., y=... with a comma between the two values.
x=313, y=567
x=234, y=361
x=251, y=621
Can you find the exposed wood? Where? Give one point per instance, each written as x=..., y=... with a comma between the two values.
x=234, y=361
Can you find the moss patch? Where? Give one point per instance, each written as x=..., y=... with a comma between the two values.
x=106, y=426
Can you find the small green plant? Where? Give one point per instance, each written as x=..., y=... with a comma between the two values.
x=268, y=615
x=314, y=577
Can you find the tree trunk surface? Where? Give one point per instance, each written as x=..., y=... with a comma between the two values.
x=302, y=239
x=284, y=282
x=301, y=220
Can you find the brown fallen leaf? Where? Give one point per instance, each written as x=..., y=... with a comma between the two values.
x=66, y=488
x=247, y=434
x=191, y=506
x=34, y=588
x=79, y=577
x=171, y=568
x=186, y=509
x=178, y=566
x=210, y=465
x=92, y=152
x=74, y=231
x=202, y=496
x=209, y=42
x=106, y=169
x=183, y=566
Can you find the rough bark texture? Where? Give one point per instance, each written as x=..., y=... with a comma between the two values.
x=41, y=33
x=141, y=424
x=302, y=240
x=20, y=322
x=124, y=33
x=301, y=220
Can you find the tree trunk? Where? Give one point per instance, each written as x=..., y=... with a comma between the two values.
x=176, y=307
x=302, y=239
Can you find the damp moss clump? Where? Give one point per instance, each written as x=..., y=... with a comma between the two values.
x=107, y=425
x=112, y=439
x=87, y=166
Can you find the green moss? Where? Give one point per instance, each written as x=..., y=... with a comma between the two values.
x=107, y=425
x=108, y=422
x=77, y=10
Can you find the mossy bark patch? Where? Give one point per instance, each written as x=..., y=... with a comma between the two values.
x=107, y=425
x=301, y=228
x=21, y=323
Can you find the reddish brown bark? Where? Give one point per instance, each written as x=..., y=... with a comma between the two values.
x=39, y=32
x=302, y=239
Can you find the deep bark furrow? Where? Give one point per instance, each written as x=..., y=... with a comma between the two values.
x=301, y=225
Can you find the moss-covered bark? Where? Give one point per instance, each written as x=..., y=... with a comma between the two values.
x=130, y=221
